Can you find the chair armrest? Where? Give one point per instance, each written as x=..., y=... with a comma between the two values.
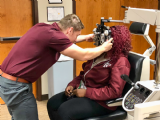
x=115, y=102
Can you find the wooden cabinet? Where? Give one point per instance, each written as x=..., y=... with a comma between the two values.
x=91, y=11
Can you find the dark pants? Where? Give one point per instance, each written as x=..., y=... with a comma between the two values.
x=60, y=108
x=19, y=99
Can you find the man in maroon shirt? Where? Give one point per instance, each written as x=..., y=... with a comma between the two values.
x=33, y=54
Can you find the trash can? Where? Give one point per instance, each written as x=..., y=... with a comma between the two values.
x=59, y=75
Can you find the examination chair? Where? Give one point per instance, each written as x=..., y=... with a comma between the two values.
x=136, y=62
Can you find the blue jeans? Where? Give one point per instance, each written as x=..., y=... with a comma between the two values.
x=19, y=99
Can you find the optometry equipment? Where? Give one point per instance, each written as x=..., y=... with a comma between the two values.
x=142, y=102
x=102, y=33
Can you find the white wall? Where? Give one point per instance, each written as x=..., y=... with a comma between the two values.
x=42, y=16
x=42, y=8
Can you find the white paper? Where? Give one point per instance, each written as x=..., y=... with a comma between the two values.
x=55, y=13
x=64, y=58
x=55, y=1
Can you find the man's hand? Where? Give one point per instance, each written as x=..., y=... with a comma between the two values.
x=68, y=90
x=89, y=37
x=79, y=92
x=107, y=45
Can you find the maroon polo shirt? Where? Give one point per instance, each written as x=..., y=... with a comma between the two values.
x=35, y=52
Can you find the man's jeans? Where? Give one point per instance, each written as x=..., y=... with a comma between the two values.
x=19, y=99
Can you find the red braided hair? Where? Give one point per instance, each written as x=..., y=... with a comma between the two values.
x=122, y=42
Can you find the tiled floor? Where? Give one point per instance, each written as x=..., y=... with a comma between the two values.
x=42, y=111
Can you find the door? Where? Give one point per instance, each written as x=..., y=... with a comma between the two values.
x=15, y=20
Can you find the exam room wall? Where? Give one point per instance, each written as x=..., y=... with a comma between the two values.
x=42, y=17
x=91, y=11
x=15, y=20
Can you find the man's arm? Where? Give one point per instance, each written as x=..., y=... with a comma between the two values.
x=81, y=54
x=88, y=38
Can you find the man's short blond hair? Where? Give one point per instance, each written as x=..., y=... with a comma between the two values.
x=71, y=20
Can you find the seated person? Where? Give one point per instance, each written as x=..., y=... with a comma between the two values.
x=86, y=95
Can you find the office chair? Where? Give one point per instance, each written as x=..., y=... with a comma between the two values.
x=137, y=73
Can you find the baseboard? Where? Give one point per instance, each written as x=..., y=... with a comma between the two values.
x=45, y=97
